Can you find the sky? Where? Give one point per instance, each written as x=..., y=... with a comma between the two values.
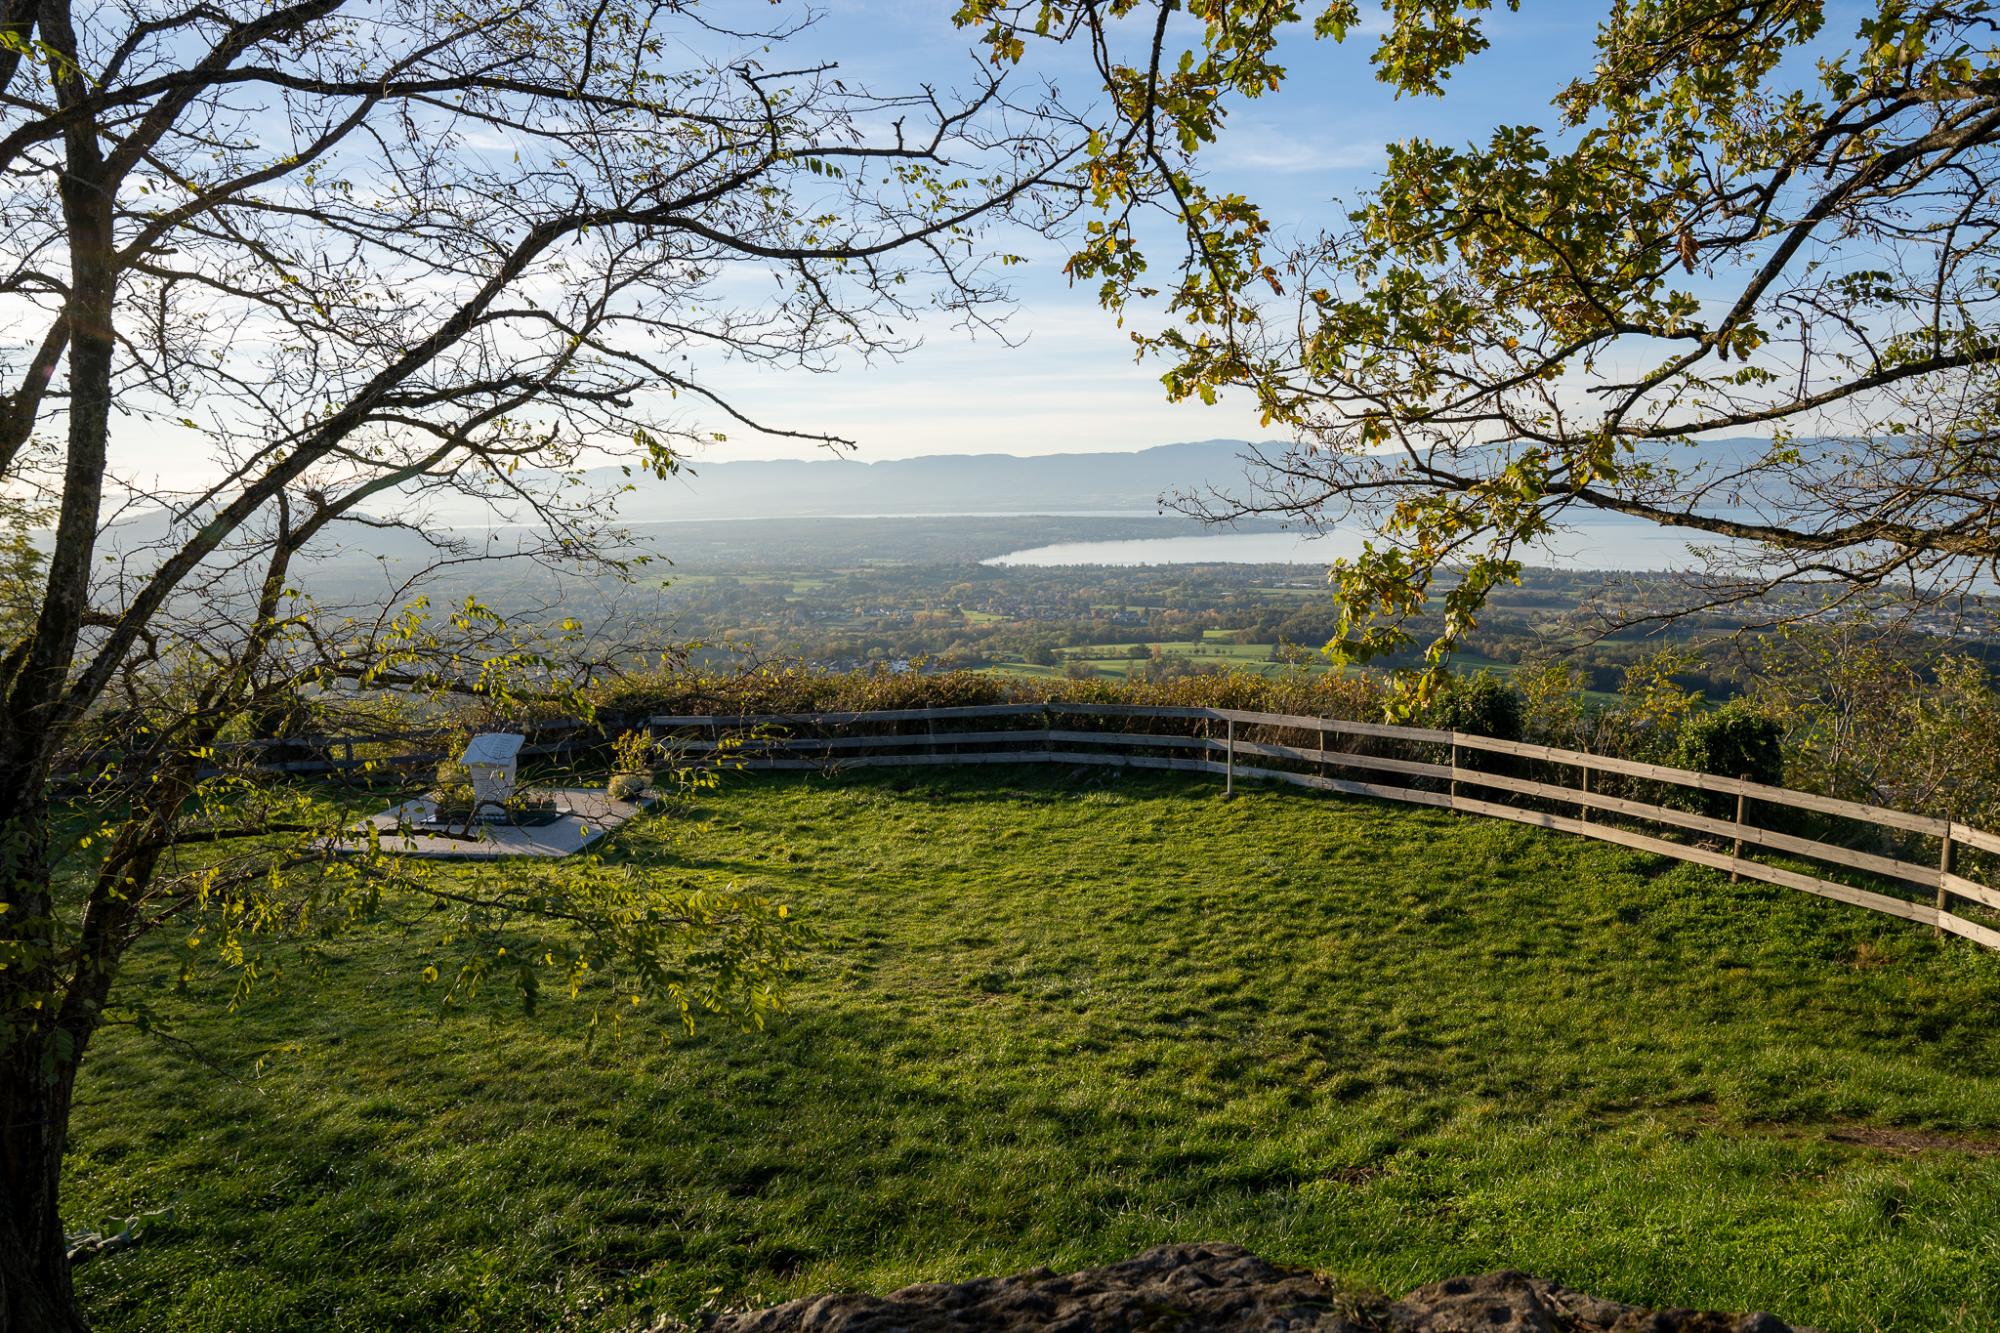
x=1072, y=384
x=1065, y=378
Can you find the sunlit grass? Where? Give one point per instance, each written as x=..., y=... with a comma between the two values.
x=1053, y=1020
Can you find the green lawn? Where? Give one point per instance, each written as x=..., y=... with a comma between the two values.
x=1054, y=1021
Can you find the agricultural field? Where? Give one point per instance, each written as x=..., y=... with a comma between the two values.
x=1049, y=1019
x=1216, y=648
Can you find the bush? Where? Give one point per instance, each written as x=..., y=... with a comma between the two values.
x=1481, y=705
x=1732, y=741
x=800, y=689
x=625, y=786
x=632, y=752
x=797, y=689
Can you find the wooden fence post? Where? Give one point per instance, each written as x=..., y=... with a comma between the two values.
x=1944, y=868
x=1229, y=768
x=1454, y=770
x=1583, y=785
x=1736, y=853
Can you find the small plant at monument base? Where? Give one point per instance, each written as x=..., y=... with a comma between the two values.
x=453, y=791
x=631, y=766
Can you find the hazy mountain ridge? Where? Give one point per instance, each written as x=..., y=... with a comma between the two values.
x=996, y=485
x=1134, y=481
x=937, y=483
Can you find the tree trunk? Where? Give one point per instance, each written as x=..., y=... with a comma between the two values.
x=49, y=1006
x=37, y=1077
x=38, y=1062
x=36, y=1295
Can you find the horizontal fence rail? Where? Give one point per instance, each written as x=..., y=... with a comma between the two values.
x=307, y=756
x=1720, y=819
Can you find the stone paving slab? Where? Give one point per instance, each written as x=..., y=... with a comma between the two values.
x=588, y=816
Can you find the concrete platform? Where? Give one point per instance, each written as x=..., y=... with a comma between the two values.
x=587, y=816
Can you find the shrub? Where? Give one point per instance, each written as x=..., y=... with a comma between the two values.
x=1482, y=705
x=801, y=689
x=632, y=753
x=453, y=791
x=625, y=786
x=1655, y=700
x=1553, y=708
x=1873, y=716
x=1735, y=740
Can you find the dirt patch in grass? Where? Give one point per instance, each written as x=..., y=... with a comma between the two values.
x=1911, y=1140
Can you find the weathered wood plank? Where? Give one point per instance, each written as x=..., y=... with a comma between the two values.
x=1886, y=866
x=1971, y=930
x=1971, y=888
x=1301, y=722
x=1876, y=814
x=1923, y=913
x=1928, y=825
x=1407, y=795
x=1133, y=710
x=761, y=744
x=1138, y=739
x=842, y=719
x=1972, y=837
x=1346, y=759
x=1134, y=761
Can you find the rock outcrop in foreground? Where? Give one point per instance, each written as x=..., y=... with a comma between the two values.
x=1222, y=1289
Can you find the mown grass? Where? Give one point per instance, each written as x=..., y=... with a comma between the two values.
x=1053, y=1020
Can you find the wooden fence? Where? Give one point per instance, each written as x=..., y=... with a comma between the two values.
x=387, y=752
x=1675, y=811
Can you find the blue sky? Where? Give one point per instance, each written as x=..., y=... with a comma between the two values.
x=1074, y=385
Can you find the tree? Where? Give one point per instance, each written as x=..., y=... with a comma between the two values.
x=1870, y=718
x=376, y=254
x=1728, y=233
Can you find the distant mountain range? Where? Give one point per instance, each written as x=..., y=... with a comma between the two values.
x=937, y=484
x=995, y=483
x=1131, y=483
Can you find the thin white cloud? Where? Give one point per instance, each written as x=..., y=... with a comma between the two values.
x=1263, y=148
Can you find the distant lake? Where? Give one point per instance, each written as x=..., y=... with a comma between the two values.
x=794, y=517
x=1627, y=544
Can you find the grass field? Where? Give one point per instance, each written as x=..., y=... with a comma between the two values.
x=1217, y=647
x=1054, y=1021
x=1114, y=660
